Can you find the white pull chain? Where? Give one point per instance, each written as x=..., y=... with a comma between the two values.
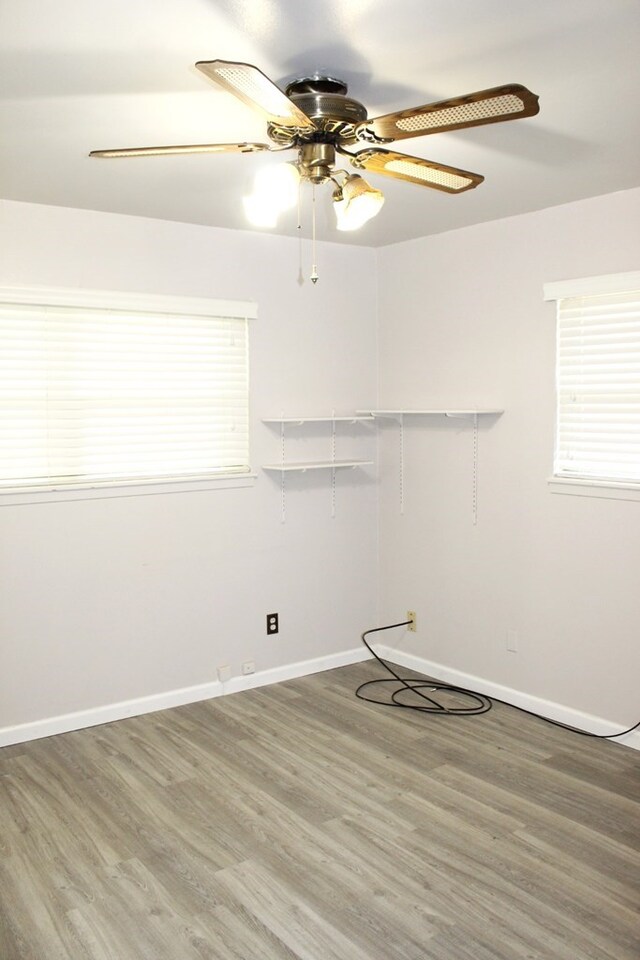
x=314, y=269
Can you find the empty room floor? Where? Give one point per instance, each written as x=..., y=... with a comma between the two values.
x=294, y=821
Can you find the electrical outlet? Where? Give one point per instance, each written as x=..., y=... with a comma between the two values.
x=272, y=623
x=224, y=673
x=411, y=615
x=248, y=667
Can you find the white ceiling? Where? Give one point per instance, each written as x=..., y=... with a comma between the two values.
x=77, y=75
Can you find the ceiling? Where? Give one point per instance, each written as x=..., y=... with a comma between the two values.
x=77, y=75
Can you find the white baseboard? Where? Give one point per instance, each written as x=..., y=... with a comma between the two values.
x=546, y=708
x=292, y=670
x=50, y=726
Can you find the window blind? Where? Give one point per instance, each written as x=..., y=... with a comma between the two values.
x=598, y=387
x=92, y=395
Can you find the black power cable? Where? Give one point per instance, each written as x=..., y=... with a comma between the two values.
x=478, y=702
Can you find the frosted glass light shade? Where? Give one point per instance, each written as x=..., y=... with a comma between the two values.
x=280, y=184
x=359, y=203
x=275, y=190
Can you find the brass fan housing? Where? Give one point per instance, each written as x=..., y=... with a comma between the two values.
x=324, y=100
x=315, y=162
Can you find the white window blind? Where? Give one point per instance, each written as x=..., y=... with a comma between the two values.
x=598, y=387
x=91, y=395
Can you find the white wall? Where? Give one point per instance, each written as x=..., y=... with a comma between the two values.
x=462, y=321
x=103, y=601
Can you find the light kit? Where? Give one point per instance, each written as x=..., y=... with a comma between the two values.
x=276, y=190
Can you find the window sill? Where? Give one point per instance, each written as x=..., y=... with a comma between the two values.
x=125, y=488
x=604, y=489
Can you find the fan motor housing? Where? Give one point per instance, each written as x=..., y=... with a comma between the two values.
x=324, y=100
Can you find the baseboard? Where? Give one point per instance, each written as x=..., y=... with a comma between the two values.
x=292, y=670
x=65, y=723
x=50, y=726
x=546, y=708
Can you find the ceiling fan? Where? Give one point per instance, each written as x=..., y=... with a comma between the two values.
x=315, y=117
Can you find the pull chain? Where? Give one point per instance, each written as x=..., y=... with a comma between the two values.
x=300, y=243
x=314, y=269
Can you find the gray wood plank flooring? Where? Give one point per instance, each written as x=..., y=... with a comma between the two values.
x=295, y=822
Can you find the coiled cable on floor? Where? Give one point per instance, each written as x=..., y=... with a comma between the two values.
x=478, y=702
x=410, y=685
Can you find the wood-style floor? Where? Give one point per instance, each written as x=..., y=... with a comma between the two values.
x=295, y=821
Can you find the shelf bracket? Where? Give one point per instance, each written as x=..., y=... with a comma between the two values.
x=283, y=515
x=475, y=470
x=473, y=419
x=333, y=472
x=461, y=416
x=401, y=422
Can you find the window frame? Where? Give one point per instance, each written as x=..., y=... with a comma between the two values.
x=134, y=302
x=609, y=489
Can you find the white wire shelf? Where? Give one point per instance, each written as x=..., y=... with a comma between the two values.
x=354, y=419
x=330, y=465
x=448, y=412
x=301, y=466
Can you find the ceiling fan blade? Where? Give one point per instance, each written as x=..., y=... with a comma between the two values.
x=510, y=102
x=423, y=172
x=185, y=148
x=254, y=88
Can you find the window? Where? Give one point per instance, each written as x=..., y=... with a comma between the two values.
x=104, y=389
x=598, y=380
